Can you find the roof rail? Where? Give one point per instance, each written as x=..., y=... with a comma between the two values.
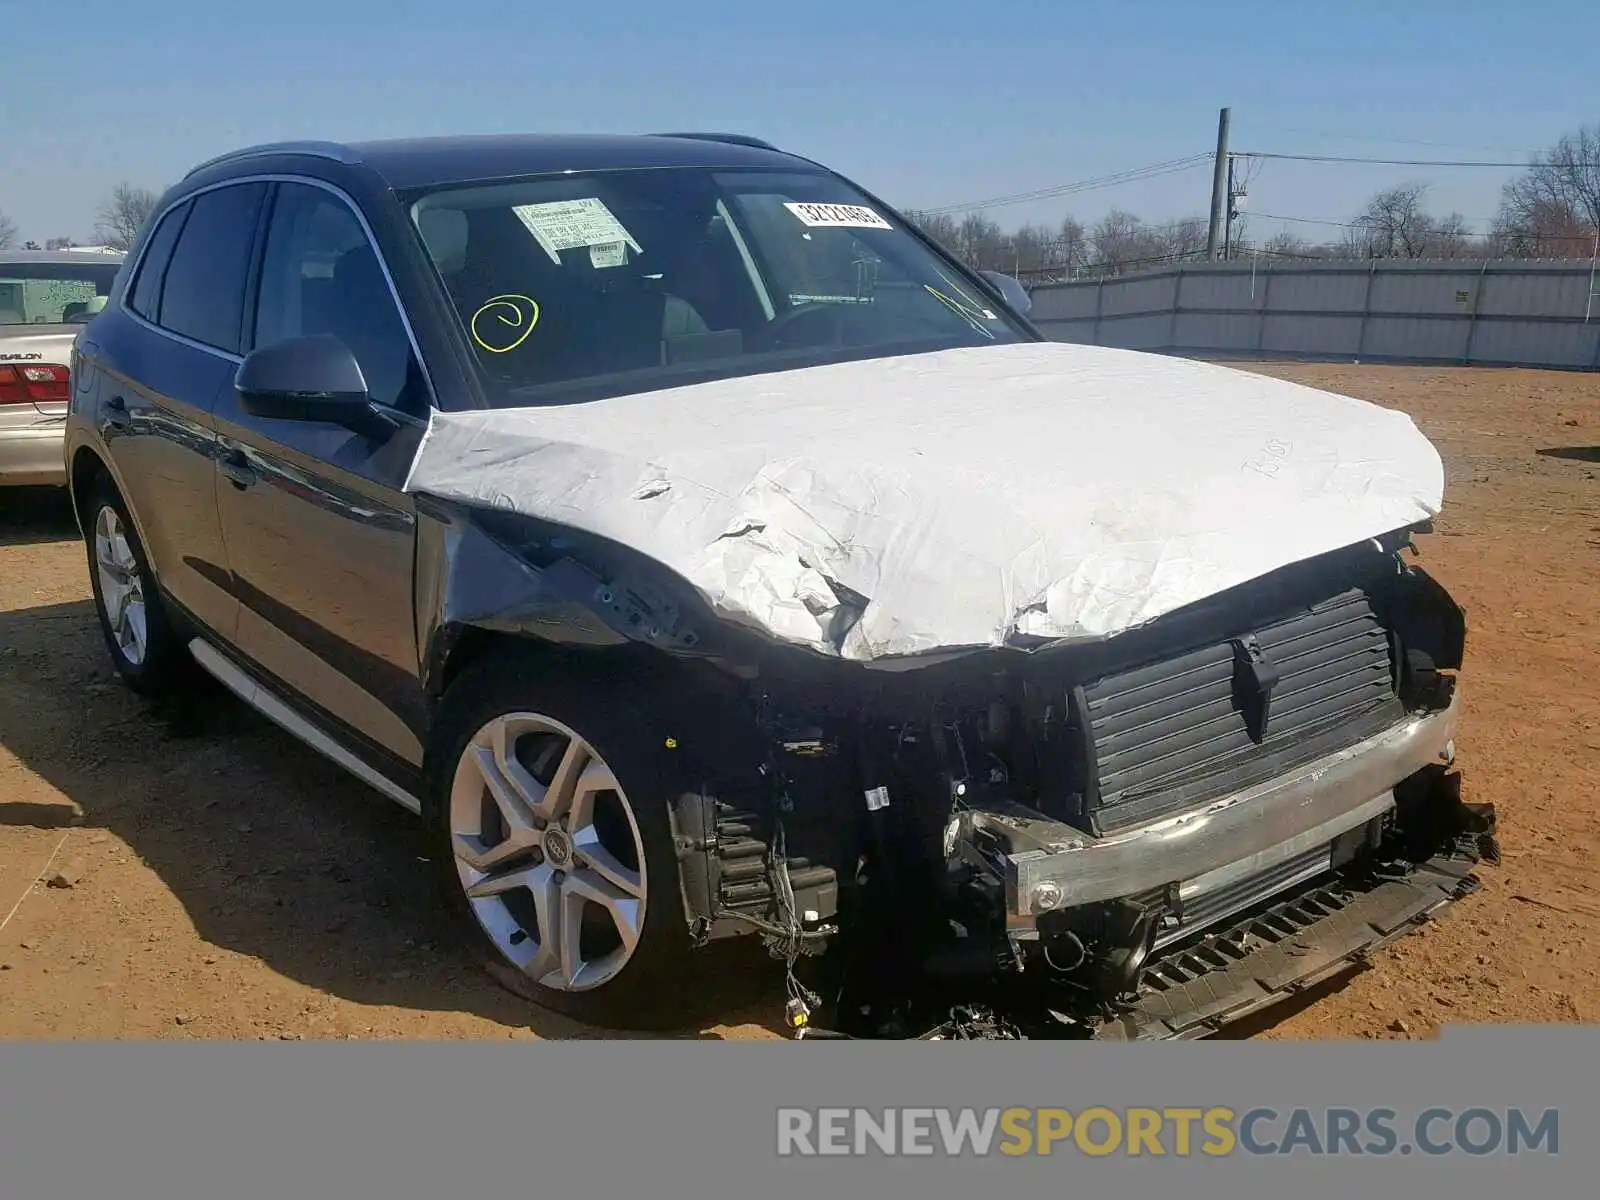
x=329, y=150
x=736, y=139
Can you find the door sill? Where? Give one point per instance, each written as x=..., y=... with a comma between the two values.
x=280, y=714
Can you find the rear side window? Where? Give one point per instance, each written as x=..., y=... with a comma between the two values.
x=203, y=295
x=146, y=294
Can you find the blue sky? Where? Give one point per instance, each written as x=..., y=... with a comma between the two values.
x=927, y=103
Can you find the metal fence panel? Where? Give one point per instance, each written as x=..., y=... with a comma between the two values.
x=1149, y=293
x=1417, y=337
x=1214, y=331
x=1216, y=289
x=1538, y=344
x=1311, y=336
x=1524, y=294
x=1500, y=312
x=1415, y=292
x=1137, y=332
x=1064, y=303
x=1299, y=290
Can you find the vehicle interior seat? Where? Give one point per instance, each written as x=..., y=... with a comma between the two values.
x=357, y=307
x=592, y=320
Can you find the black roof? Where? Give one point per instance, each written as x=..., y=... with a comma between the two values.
x=430, y=161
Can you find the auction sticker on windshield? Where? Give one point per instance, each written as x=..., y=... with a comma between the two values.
x=838, y=216
x=573, y=225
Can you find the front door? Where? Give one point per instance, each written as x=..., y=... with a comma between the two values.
x=320, y=536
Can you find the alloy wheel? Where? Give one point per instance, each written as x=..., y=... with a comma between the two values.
x=121, y=587
x=548, y=851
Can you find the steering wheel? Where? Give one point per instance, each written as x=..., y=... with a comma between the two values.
x=777, y=333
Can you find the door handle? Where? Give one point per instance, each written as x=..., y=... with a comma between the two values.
x=117, y=413
x=237, y=468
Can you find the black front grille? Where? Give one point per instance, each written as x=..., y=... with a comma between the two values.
x=1170, y=734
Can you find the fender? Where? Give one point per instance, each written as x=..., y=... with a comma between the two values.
x=501, y=574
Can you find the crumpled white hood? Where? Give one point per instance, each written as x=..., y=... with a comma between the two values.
x=1049, y=489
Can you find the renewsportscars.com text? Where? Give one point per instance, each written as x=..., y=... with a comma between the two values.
x=1157, y=1132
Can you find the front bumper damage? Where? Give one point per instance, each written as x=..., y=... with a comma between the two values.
x=1098, y=840
x=1294, y=944
x=1047, y=866
x=1210, y=916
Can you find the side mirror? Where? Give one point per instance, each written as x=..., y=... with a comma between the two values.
x=1011, y=291
x=314, y=378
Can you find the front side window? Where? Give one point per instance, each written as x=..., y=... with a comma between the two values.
x=320, y=274
x=202, y=295
x=40, y=293
x=580, y=286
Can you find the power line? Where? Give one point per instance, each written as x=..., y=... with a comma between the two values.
x=1153, y=171
x=1340, y=224
x=1132, y=175
x=1376, y=141
x=1575, y=238
x=1301, y=220
x=1403, y=162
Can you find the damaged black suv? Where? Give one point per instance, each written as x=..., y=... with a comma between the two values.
x=702, y=551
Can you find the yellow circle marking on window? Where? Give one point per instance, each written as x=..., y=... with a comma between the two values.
x=503, y=323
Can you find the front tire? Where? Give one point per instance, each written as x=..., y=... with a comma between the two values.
x=145, y=649
x=547, y=808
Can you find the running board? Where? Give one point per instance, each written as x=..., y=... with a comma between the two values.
x=280, y=714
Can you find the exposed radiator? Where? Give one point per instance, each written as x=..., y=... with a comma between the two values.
x=1167, y=735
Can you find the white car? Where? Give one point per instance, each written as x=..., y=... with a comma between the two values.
x=46, y=297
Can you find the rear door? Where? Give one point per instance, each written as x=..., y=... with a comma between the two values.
x=320, y=537
x=164, y=365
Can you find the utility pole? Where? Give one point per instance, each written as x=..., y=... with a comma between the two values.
x=1227, y=223
x=1594, y=261
x=1219, y=186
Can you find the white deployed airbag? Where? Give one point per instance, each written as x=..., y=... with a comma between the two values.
x=1055, y=490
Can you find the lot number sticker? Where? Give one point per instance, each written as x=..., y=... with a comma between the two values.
x=838, y=216
x=573, y=225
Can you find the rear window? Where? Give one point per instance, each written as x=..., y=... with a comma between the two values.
x=54, y=293
x=145, y=298
x=202, y=297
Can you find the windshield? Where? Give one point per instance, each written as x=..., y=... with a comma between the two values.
x=577, y=286
x=53, y=293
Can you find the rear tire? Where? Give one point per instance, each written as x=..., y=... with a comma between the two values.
x=547, y=810
x=145, y=648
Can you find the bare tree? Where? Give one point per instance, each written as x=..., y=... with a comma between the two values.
x=1449, y=237
x=1033, y=250
x=1553, y=210
x=1541, y=229
x=1286, y=245
x=1394, y=223
x=1029, y=251
x=1072, y=247
x=1115, y=240
x=124, y=215
x=59, y=243
x=1122, y=242
x=981, y=242
x=8, y=231
x=1185, y=237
